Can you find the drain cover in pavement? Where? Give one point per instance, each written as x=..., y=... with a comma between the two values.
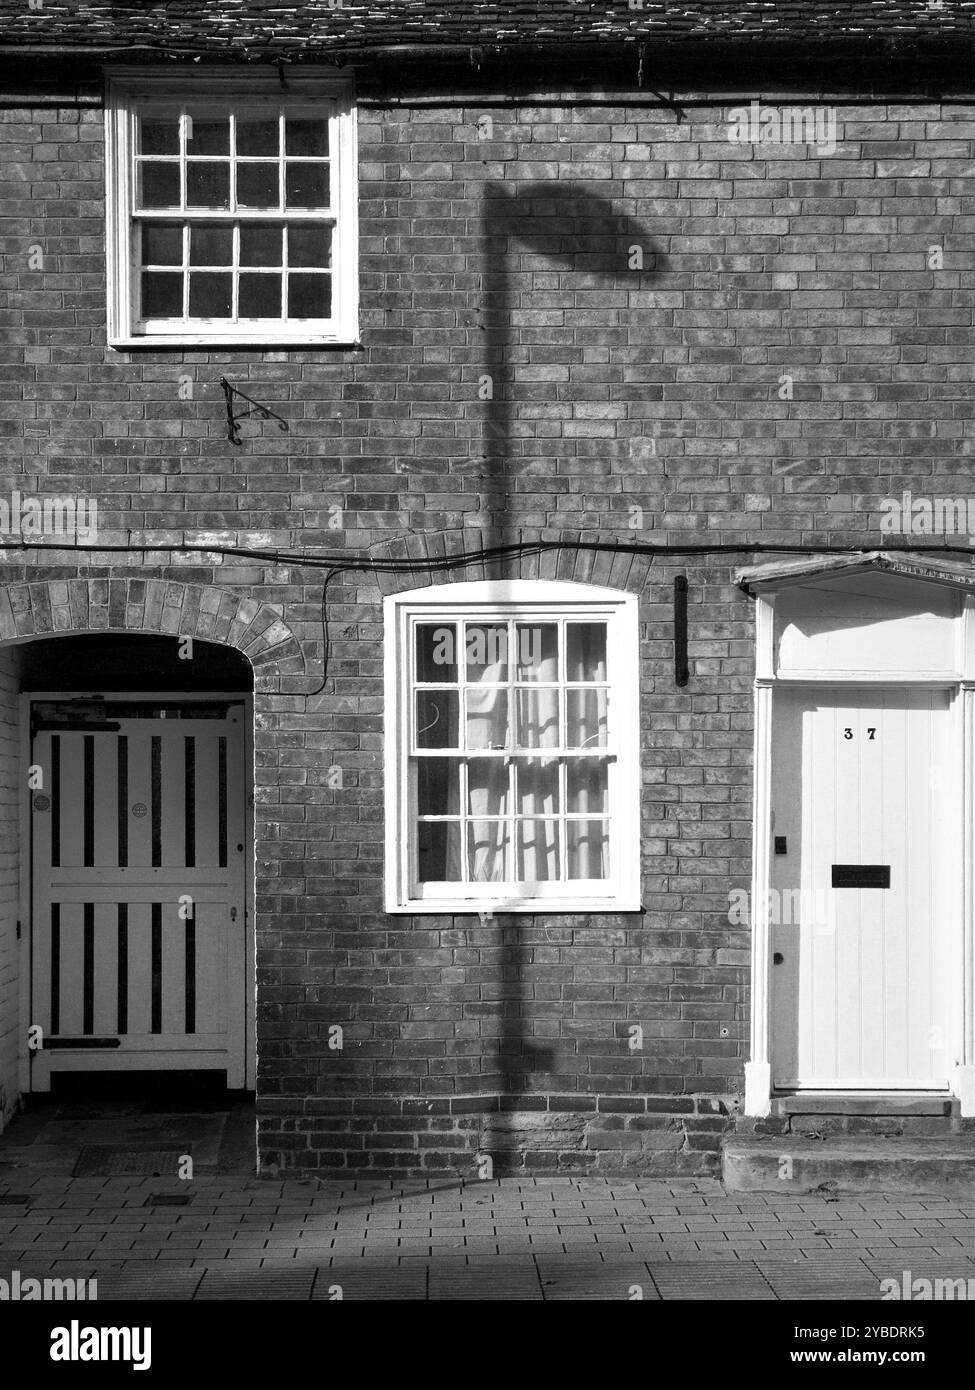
x=14, y=1199
x=120, y=1161
x=168, y=1199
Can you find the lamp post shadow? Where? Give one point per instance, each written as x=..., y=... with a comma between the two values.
x=572, y=230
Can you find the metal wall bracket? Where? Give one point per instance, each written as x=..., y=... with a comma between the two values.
x=233, y=418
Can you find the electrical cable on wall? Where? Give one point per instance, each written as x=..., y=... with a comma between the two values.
x=345, y=564
x=343, y=560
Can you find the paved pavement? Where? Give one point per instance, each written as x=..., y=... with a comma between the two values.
x=512, y=1238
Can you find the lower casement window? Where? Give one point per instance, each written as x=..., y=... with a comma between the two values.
x=512, y=748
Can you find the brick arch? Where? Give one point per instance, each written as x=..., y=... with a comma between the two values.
x=626, y=571
x=63, y=607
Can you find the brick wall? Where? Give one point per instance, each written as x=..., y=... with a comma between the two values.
x=9, y=881
x=785, y=352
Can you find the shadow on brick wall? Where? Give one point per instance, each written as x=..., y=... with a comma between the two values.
x=529, y=230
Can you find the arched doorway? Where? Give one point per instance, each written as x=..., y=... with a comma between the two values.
x=138, y=842
x=127, y=819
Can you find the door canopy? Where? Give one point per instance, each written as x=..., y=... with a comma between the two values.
x=874, y=615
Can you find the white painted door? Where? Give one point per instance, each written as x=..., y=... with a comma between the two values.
x=866, y=877
x=138, y=941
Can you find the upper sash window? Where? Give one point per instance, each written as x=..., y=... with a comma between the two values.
x=232, y=209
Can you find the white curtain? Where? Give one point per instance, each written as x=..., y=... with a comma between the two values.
x=488, y=857
x=515, y=720
x=588, y=847
x=488, y=850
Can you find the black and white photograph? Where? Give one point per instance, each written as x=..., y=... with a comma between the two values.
x=487, y=672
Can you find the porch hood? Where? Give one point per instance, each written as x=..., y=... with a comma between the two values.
x=756, y=579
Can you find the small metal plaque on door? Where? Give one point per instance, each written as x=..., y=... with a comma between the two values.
x=861, y=875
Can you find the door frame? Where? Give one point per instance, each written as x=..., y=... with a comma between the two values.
x=951, y=667
x=955, y=948
x=246, y=699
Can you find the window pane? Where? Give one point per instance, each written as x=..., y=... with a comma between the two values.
x=257, y=186
x=587, y=848
x=309, y=246
x=256, y=136
x=211, y=296
x=487, y=787
x=208, y=185
x=585, y=656
x=438, y=851
x=207, y=135
x=585, y=714
x=538, y=718
x=162, y=243
x=436, y=653
x=436, y=719
x=486, y=651
x=159, y=136
x=211, y=246
x=538, y=850
x=260, y=244
x=162, y=295
x=259, y=297
x=306, y=185
x=586, y=783
x=159, y=185
x=437, y=786
x=487, y=718
x=305, y=137
x=537, y=645
x=309, y=296
x=488, y=850
x=537, y=786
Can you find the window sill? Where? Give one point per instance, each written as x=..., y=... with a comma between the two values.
x=455, y=907
x=192, y=343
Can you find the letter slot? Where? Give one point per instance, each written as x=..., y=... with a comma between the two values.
x=861, y=876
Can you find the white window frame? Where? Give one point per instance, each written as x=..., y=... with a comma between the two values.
x=222, y=88
x=534, y=600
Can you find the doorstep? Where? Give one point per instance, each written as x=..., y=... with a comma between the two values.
x=876, y=1103
x=796, y=1163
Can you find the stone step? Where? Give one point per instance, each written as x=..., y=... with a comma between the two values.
x=822, y=1103
x=795, y=1163
x=820, y=1126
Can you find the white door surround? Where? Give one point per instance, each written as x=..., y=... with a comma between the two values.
x=894, y=634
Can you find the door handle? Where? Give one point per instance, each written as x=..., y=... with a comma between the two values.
x=233, y=914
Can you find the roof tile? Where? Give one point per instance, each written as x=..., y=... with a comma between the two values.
x=324, y=28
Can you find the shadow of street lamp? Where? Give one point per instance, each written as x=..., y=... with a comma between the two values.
x=527, y=229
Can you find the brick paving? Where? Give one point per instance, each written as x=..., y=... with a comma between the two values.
x=513, y=1238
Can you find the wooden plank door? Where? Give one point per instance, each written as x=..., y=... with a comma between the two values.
x=867, y=888
x=138, y=934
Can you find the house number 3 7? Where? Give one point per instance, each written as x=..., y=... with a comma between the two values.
x=848, y=733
